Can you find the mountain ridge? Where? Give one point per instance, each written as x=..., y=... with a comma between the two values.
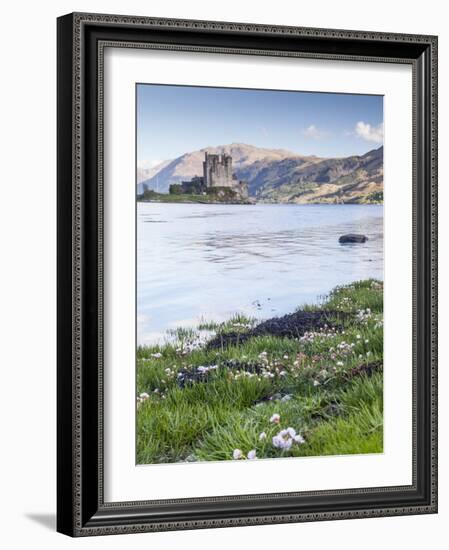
x=279, y=175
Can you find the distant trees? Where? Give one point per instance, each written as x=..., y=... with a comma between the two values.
x=176, y=189
x=193, y=187
x=149, y=194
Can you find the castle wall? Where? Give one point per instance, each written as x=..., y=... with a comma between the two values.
x=217, y=171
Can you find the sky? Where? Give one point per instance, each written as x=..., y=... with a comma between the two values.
x=173, y=120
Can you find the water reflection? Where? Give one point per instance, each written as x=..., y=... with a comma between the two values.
x=209, y=261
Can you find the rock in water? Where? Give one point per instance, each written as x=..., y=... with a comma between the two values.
x=352, y=238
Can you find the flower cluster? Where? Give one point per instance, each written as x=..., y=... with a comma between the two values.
x=144, y=396
x=191, y=374
x=364, y=315
x=187, y=345
x=310, y=337
x=201, y=369
x=170, y=373
x=379, y=322
x=141, y=398
x=237, y=454
x=285, y=439
x=345, y=304
x=265, y=368
x=344, y=348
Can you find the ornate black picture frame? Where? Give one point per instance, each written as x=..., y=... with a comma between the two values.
x=81, y=509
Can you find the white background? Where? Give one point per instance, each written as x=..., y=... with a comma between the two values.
x=123, y=480
x=27, y=301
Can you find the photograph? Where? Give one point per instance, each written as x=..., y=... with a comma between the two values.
x=247, y=278
x=259, y=273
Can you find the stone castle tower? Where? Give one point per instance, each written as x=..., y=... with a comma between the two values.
x=217, y=171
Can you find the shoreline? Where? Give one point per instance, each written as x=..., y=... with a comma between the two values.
x=197, y=202
x=317, y=372
x=257, y=203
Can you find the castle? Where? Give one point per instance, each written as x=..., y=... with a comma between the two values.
x=217, y=174
x=217, y=171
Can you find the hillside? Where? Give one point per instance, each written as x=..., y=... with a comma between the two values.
x=277, y=175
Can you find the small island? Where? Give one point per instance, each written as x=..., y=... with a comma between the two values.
x=217, y=185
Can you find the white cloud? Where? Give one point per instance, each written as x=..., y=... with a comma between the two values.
x=370, y=133
x=313, y=132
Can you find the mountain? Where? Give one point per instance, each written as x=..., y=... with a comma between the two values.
x=355, y=179
x=277, y=175
x=191, y=164
x=144, y=174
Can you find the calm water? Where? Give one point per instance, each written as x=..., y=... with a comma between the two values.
x=206, y=262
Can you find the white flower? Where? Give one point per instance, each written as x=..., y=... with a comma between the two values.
x=237, y=454
x=299, y=439
x=144, y=395
x=339, y=363
x=291, y=432
x=252, y=454
x=262, y=436
x=366, y=341
x=358, y=336
x=156, y=355
x=275, y=419
x=316, y=383
x=285, y=438
x=285, y=356
x=281, y=442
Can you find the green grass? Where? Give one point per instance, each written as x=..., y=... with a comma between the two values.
x=153, y=196
x=322, y=385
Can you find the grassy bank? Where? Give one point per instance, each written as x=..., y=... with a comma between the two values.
x=189, y=198
x=248, y=392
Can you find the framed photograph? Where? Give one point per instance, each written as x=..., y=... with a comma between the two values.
x=247, y=283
